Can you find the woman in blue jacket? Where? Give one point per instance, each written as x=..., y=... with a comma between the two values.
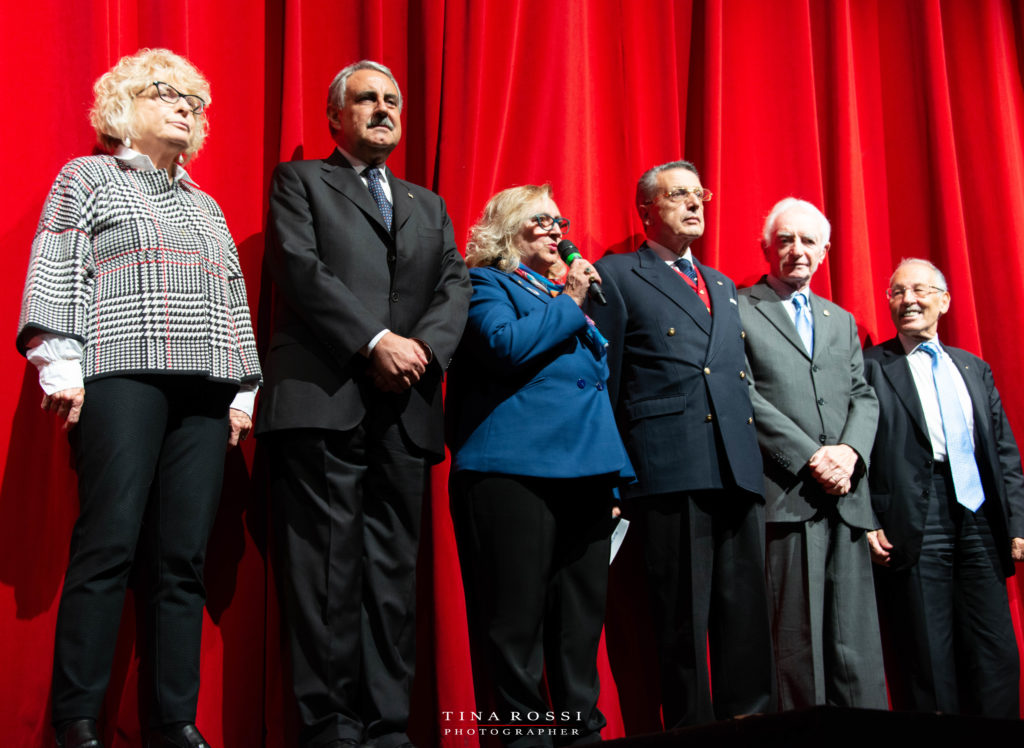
x=535, y=456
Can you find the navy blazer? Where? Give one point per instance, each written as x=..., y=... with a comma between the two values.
x=901, y=461
x=678, y=377
x=526, y=394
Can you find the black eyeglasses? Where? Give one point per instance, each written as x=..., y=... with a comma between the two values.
x=170, y=94
x=546, y=221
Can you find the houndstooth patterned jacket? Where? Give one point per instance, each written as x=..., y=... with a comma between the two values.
x=142, y=271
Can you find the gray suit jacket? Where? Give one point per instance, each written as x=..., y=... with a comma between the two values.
x=802, y=403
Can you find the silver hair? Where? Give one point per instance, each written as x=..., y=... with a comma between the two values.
x=336, y=91
x=794, y=202
x=918, y=261
x=647, y=185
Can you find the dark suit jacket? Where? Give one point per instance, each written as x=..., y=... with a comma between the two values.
x=901, y=461
x=678, y=380
x=340, y=278
x=527, y=394
x=802, y=403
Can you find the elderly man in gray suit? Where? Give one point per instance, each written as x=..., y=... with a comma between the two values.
x=816, y=419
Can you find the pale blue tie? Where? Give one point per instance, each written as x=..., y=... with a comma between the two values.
x=959, y=450
x=377, y=191
x=804, y=323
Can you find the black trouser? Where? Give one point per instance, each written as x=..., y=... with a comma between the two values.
x=705, y=574
x=149, y=454
x=534, y=554
x=350, y=504
x=949, y=616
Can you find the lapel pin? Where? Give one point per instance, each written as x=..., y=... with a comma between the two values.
x=720, y=283
x=410, y=195
x=826, y=313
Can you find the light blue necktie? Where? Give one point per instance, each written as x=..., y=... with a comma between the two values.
x=959, y=451
x=377, y=191
x=804, y=323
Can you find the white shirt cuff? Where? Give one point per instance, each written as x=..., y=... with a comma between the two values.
x=58, y=360
x=245, y=399
x=374, y=340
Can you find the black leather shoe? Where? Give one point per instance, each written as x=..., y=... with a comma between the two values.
x=181, y=735
x=80, y=734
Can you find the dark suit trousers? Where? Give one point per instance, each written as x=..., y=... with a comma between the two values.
x=149, y=454
x=949, y=616
x=825, y=622
x=348, y=507
x=705, y=570
x=534, y=555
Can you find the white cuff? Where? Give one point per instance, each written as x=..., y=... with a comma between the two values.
x=60, y=375
x=374, y=340
x=245, y=399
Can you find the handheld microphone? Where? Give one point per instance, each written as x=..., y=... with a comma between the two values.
x=568, y=252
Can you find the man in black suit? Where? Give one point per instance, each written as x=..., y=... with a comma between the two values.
x=948, y=493
x=678, y=385
x=370, y=301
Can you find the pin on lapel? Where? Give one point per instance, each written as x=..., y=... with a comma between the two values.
x=826, y=313
x=410, y=195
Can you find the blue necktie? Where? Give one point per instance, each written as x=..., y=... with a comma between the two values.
x=687, y=267
x=377, y=191
x=959, y=450
x=804, y=323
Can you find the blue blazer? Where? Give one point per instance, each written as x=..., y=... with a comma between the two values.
x=678, y=377
x=526, y=394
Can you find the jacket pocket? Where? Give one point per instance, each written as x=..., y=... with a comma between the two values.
x=656, y=406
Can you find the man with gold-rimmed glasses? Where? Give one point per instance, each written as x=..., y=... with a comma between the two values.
x=678, y=386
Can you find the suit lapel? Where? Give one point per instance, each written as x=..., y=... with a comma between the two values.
x=338, y=173
x=896, y=369
x=975, y=388
x=401, y=201
x=721, y=299
x=824, y=326
x=655, y=272
x=770, y=306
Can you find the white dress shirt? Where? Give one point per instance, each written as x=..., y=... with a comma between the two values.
x=920, y=363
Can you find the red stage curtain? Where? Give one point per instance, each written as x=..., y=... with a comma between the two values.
x=901, y=118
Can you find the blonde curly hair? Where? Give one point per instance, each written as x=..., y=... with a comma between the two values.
x=490, y=239
x=113, y=110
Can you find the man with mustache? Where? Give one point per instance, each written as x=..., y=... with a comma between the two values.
x=680, y=396
x=370, y=298
x=816, y=419
x=948, y=492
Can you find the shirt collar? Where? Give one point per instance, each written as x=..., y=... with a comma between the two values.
x=142, y=162
x=667, y=254
x=360, y=166
x=911, y=346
